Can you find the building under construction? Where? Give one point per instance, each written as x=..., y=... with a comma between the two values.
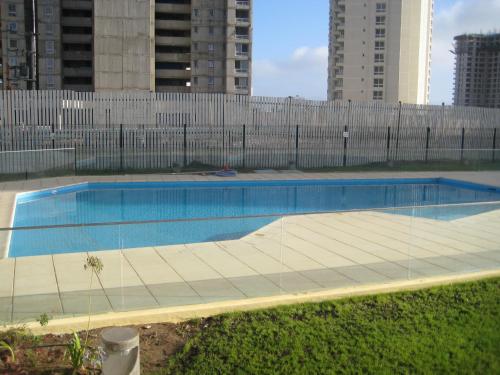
x=477, y=70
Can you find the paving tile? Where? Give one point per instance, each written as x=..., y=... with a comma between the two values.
x=293, y=282
x=175, y=294
x=216, y=290
x=151, y=267
x=393, y=271
x=186, y=264
x=451, y=264
x=6, y=277
x=255, y=286
x=77, y=302
x=476, y=261
x=35, y=275
x=362, y=274
x=418, y=267
x=71, y=274
x=5, y=310
x=117, y=272
x=32, y=306
x=130, y=298
x=329, y=278
x=493, y=255
x=221, y=261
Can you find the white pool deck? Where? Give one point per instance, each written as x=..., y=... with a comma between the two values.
x=294, y=255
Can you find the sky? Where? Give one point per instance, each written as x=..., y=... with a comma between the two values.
x=290, y=55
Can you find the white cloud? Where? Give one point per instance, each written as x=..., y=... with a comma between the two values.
x=464, y=16
x=303, y=73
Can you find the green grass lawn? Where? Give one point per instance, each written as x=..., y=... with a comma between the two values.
x=445, y=330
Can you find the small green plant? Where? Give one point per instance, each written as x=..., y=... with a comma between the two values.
x=5, y=346
x=43, y=319
x=31, y=358
x=76, y=353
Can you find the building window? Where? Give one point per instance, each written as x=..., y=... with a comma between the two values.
x=50, y=65
x=211, y=47
x=241, y=66
x=49, y=47
x=379, y=33
x=49, y=28
x=381, y=7
x=48, y=12
x=378, y=70
x=380, y=20
x=211, y=30
x=241, y=49
x=378, y=83
x=195, y=64
x=12, y=10
x=12, y=27
x=195, y=46
x=379, y=45
x=51, y=82
x=241, y=82
x=211, y=64
x=12, y=61
x=379, y=57
x=195, y=81
x=378, y=95
x=212, y=12
x=12, y=43
x=211, y=81
x=196, y=12
x=196, y=29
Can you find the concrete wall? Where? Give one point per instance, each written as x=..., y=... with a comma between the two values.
x=123, y=45
x=49, y=35
x=406, y=52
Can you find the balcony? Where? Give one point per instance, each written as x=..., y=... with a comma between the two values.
x=176, y=57
x=173, y=8
x=77, y=38
x=242, y=4
x=172, y=41
x=76, y=4
x=173, y=73
x=76, y=21
x=77, y=72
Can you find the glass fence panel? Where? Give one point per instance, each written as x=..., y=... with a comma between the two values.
x=37, y=163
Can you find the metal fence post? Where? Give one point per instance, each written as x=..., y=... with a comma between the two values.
x=397, y=132
x=388, y=142
x=121, y=147
x=346, y=130
x=462, y=145
x=244, y=146
x=494, y=144
x=297, y=147
x=427, y=144
x=185, y=147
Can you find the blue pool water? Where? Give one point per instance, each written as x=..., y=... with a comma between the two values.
x=205, y=208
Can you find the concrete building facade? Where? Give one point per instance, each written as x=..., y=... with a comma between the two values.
x=150, y=45
x=380, y=50
x=477, y=70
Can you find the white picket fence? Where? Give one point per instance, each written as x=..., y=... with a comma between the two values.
x=156, y=131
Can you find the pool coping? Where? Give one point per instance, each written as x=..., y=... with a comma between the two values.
x=185, y=313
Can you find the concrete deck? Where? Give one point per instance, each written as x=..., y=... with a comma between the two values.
x=294, y=255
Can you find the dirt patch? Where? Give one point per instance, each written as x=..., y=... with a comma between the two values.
x=43, y=355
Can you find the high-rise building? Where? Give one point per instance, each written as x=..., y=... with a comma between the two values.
x=150, y=45
x=477, y=70
x=380, y=50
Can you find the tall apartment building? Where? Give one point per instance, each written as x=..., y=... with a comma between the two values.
x=380, y=50
x=151, y=45
x=477, y=70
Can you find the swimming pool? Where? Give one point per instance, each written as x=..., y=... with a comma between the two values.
x=104, y=216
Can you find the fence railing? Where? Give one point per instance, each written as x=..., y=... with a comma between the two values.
x=120, y=131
